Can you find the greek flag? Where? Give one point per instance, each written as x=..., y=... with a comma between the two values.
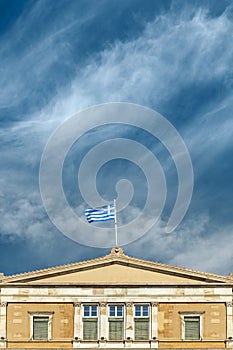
x=100, y=214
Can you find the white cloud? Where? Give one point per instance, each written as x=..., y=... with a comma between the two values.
x=173, y=52
x=25, y=218
x=195, y=244
x=169, y=54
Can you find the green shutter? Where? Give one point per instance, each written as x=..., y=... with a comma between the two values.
x=115, y=328
x=40, y=328
x=192, y=328
x=90, y=326
x=141, y=328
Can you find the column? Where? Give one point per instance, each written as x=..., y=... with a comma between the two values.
x=154, y=325
x=77, y=325
x=229, y=340
x=129, y=325
x=129, y=321
x=103, y=324
x=103, y=321
x=3, y=334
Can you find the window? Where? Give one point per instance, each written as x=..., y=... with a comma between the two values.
x=141, y=322
x=40, y=328
x=116, y=322
x=115, y=311
x=40, y=325
x=90, y=310
x=191, y=325
x=141, y=311
x=90, y=322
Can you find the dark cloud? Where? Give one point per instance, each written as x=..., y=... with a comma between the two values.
x=57, y=58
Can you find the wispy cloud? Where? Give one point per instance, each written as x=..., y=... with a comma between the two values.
x=195, y=244
x=172, y=53
x=179, y=64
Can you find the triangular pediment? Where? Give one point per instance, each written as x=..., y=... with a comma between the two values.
x=115, y=268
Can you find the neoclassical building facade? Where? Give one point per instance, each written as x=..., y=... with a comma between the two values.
x=116, y=301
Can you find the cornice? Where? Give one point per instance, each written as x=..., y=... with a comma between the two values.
x=116, y=256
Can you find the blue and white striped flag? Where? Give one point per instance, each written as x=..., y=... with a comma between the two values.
x=100, y=214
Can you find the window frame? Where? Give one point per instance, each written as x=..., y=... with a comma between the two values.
x=116, y=317
x=41, y=314
x=141, y=310
x=142, y=317
x=190, y=315
x=116, y=306
x=90, y=317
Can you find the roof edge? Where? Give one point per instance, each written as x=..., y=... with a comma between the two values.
x=116, y=255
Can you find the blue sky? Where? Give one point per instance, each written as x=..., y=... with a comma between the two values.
x=58, y=58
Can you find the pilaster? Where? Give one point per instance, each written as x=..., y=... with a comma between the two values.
x=154, y=325
x=229, y=340
x=103, y=324
x=77, y=325
x=3, y=335
x=129, y=321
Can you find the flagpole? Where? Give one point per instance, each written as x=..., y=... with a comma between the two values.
x=115, y=222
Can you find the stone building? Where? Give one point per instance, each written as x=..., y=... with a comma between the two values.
x=116, y=301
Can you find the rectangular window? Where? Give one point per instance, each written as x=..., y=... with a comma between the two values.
x=141, y=322
x=116, y=322
x=90, y=329
x=41, y=325
x=90, y=322
x=192, y=327
x=115, y=310
x=90, y=310
x=141, y=311
x=40, y=328
x=116, y=329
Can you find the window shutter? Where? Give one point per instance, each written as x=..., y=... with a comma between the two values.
x=141, y=329
x=40, y=328
x=192, y=328
x=90, y=328
x=115, y=329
